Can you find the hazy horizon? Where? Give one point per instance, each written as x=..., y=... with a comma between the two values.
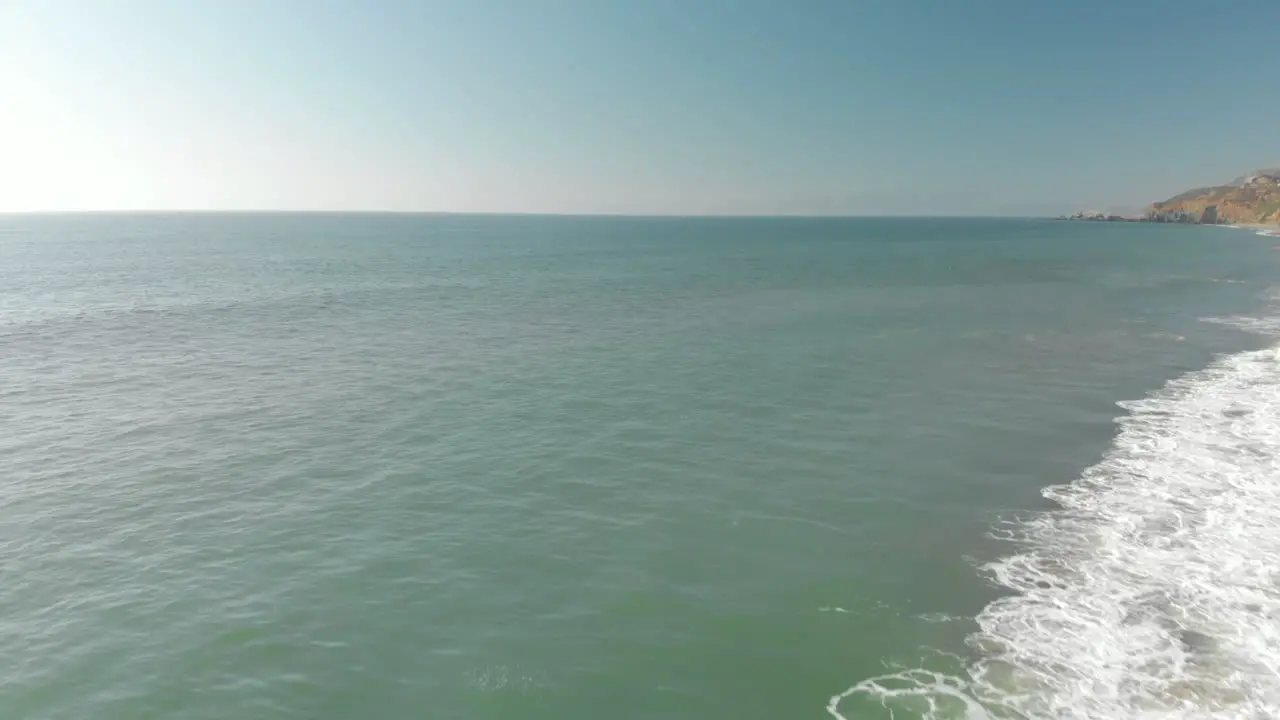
x=657, y=109
x=499, y=213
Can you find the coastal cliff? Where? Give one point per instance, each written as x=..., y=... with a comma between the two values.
x=1250, y=200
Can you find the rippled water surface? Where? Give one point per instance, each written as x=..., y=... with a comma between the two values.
x=326, y=466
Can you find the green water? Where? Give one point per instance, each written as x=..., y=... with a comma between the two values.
x=550, y=468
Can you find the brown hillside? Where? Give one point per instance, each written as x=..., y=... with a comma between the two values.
x=1255, y=200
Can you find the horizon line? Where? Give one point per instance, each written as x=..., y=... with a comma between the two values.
x=668, y=216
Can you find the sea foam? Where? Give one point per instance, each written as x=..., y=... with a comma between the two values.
x=1154, y=592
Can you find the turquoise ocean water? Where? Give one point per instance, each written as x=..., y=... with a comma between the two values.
x=452, y=467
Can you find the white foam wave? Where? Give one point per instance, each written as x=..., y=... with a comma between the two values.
x=1263, y=232
x=1261, y=325
x=922, y=692
x=1155, y=591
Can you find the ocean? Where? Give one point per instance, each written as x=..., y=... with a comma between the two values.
x=332, y=466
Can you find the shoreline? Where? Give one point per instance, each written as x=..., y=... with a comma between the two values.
x=1122, y=219
x=1262, y=229
x=1259, y=229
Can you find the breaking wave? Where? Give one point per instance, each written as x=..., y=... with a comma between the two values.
x=1154, y=592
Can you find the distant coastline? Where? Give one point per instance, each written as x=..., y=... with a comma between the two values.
x=1249, y=201
x=1179, y=218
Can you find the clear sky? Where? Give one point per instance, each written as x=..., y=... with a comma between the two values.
x=632, y=106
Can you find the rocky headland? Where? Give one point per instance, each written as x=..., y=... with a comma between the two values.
x=1250, y=200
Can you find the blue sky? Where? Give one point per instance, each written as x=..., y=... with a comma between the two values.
x=645, y=106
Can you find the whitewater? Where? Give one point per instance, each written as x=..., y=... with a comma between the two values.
x=1154, y=591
